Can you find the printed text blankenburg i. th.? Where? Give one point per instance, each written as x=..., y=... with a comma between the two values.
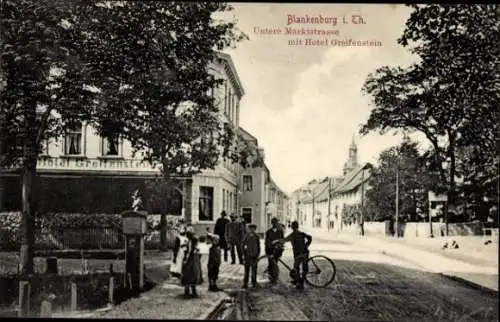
x=306, y=19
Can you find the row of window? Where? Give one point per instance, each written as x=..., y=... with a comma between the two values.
x=229, y=202
x=74, y=142
x=206, y=203
x=230, y=103
x=247, y=183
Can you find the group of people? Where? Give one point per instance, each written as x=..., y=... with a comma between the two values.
x=243, y=242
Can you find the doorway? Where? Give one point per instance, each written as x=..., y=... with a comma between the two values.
x=246, y=213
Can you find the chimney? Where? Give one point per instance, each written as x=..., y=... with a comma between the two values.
x=261, y=152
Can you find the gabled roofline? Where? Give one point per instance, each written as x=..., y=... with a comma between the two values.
x=229, y=62
x=247, y=133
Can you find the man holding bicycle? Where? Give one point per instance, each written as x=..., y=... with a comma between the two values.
x=300, y=244
x=273, y=250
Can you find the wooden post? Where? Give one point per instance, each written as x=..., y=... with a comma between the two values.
x=46, y=309
x=52, y=265
x=111, y=291
x=129, y=280
x=24, y=298
x=74, y=297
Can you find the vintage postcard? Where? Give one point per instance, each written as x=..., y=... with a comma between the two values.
x=249, y=161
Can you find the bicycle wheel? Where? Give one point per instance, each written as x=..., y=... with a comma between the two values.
x=263, y=275
x=321, y=271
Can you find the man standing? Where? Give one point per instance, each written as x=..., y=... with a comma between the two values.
x=300, y=244
x=220, y=230
x=251, y=248
x=273, y=250
x=234, y=236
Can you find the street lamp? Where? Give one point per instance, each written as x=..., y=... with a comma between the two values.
x=445, y=165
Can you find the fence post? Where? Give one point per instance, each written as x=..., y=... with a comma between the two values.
x=129, y=280
x=46, y=309
x=52, y=265
x=74, y=296
x=24, y=298
x=111, y=291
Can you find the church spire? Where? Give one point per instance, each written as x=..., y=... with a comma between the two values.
x=353, y=144
x=352, y=160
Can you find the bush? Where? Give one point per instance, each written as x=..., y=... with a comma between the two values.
x=74, y=231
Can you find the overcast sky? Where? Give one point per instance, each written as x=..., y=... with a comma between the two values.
x=304, y=103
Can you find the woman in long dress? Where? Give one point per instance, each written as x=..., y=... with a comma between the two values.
x=181, y=244
x=191, y=269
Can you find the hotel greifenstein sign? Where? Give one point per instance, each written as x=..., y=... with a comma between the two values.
x=94, y=164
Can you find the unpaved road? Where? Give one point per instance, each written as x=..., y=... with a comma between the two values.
x=372, y=287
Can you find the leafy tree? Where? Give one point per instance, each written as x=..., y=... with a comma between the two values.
x=137, y=69
x=35, y=49
x=413, y=182
x=451, y=94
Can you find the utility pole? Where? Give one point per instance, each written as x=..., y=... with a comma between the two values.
x=313, y=208
x=329, y=201
x=397, y=197
x=362, y=223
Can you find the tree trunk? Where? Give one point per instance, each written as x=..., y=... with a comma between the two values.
x=163, y=232
x=27, y=221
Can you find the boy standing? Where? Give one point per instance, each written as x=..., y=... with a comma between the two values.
x=214, y=261
x=273, y=250
x=251, y=250
x=300, y=244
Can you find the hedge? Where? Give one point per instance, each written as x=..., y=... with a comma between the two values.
x=50, y=228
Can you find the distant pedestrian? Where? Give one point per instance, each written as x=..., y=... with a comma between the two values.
x=220, y=230
x=234, y=236
x=191, y=268
x=180, y=246
x=251, y=248
x=214, y=261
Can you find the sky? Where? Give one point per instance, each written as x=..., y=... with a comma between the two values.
x=304, y=103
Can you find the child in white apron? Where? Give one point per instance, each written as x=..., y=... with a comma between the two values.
x=180, y=247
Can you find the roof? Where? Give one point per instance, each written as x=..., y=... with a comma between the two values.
x=229, y=61
x=348, y=182
x=275, y=186
x=353, y=179
x=247, y=136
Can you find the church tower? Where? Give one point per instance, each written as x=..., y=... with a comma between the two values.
x=352, y=160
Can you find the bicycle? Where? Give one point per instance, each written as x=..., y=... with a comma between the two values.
x=316, y=265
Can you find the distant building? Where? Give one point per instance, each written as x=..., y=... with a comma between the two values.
x=352, y=159
x=254, y=178
x=322, y=203
x=260, y=199
x=276, y=204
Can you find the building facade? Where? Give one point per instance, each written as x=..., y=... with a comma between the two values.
x=277, y=204
x=84, y=172
x=261, y=198
x=333, y=203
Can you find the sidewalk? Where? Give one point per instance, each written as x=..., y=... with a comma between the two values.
x=166, y=301
x=429, y=255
